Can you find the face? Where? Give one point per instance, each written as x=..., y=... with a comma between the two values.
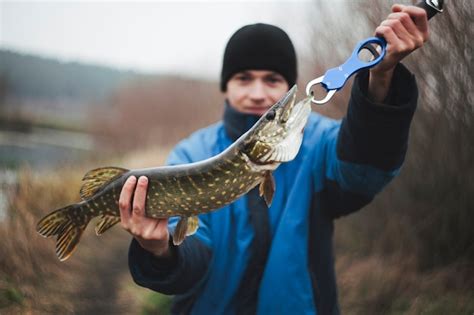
x=255, y=91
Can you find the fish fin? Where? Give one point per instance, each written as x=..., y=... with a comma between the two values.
x=68, y=224
x=180, y=232
x=185, y=227
x=97, y=178
x=105, y=223
x=267, y=188
x=193, y=225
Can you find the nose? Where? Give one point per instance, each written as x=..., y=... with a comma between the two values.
x=257, y=92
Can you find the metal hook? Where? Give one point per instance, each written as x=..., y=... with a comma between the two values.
x=312, y=83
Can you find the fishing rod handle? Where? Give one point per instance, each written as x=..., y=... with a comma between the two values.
x=432, y=7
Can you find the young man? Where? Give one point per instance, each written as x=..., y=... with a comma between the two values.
x=250, y=259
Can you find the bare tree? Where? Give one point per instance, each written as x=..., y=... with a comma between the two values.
x=426, y=212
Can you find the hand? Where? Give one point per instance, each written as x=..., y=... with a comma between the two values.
x=152, y=234
x=405, y=30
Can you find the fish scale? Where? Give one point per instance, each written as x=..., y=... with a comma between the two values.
x=190, y=189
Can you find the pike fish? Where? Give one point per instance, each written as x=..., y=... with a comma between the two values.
x=189, y=189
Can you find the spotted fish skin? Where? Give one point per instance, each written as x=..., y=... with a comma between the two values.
x=189, y=189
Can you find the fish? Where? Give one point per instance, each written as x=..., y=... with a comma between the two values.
x=188, y=190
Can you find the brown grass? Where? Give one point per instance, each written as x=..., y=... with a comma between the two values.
x=381, y=285
x=94, y=280
x=27, y=262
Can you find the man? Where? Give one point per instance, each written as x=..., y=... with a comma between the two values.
x=245, y=258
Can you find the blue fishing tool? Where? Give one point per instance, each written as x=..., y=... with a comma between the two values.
x=334, y=79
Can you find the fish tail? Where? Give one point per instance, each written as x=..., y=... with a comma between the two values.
x=68, y=224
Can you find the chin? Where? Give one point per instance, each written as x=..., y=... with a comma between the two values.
x=256, y=111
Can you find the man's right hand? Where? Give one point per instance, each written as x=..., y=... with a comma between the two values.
x=152, y=234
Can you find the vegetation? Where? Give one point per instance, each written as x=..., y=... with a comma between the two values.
x=23, y=76
x=409, y=252
x=33, y=281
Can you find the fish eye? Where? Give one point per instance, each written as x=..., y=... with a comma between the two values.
x=270, y=115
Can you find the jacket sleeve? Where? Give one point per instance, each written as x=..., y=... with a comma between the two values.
x=369, y=147
x=188, y=263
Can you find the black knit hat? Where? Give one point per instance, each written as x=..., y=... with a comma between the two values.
x=259, y=47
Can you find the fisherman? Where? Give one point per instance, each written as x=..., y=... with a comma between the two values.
x=250, y=259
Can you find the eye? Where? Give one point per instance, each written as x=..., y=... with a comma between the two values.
x=247, y=147
x=274, y=79
x=270, y=115
x=243, y=78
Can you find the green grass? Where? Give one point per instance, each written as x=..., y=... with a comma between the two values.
x=10, y=296
x=156, y=304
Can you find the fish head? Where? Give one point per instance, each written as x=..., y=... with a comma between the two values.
x=276, y=137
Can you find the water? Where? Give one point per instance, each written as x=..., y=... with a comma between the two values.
x=3, y=205
x=41, y=149
x=8, y=180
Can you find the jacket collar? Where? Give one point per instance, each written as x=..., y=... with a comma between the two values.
x=237, y=123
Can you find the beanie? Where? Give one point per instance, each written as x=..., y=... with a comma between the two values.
x=259, y=47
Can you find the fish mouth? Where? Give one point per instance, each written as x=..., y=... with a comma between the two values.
x=286, y=103
x=293, y=121
x=289, y=97
x=294, y=115
x=277, y=136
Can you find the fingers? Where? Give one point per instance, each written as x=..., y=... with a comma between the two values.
x=386, y=32
x=133, y=193
x=139, y=198
x=152, y=234
x=404, y=23
x=403, y=40
x=125, y=201
x=417, y=15
x=132, y=203
x=405, y=30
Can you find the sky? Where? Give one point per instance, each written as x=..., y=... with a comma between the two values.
x=173, y=37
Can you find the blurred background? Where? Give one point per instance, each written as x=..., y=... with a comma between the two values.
x=89, y=84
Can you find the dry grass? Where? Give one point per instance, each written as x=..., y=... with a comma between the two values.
x=28, y=266
x=380, y=285
x=94, y=280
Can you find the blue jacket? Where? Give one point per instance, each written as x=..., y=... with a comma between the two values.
x=340, y=167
